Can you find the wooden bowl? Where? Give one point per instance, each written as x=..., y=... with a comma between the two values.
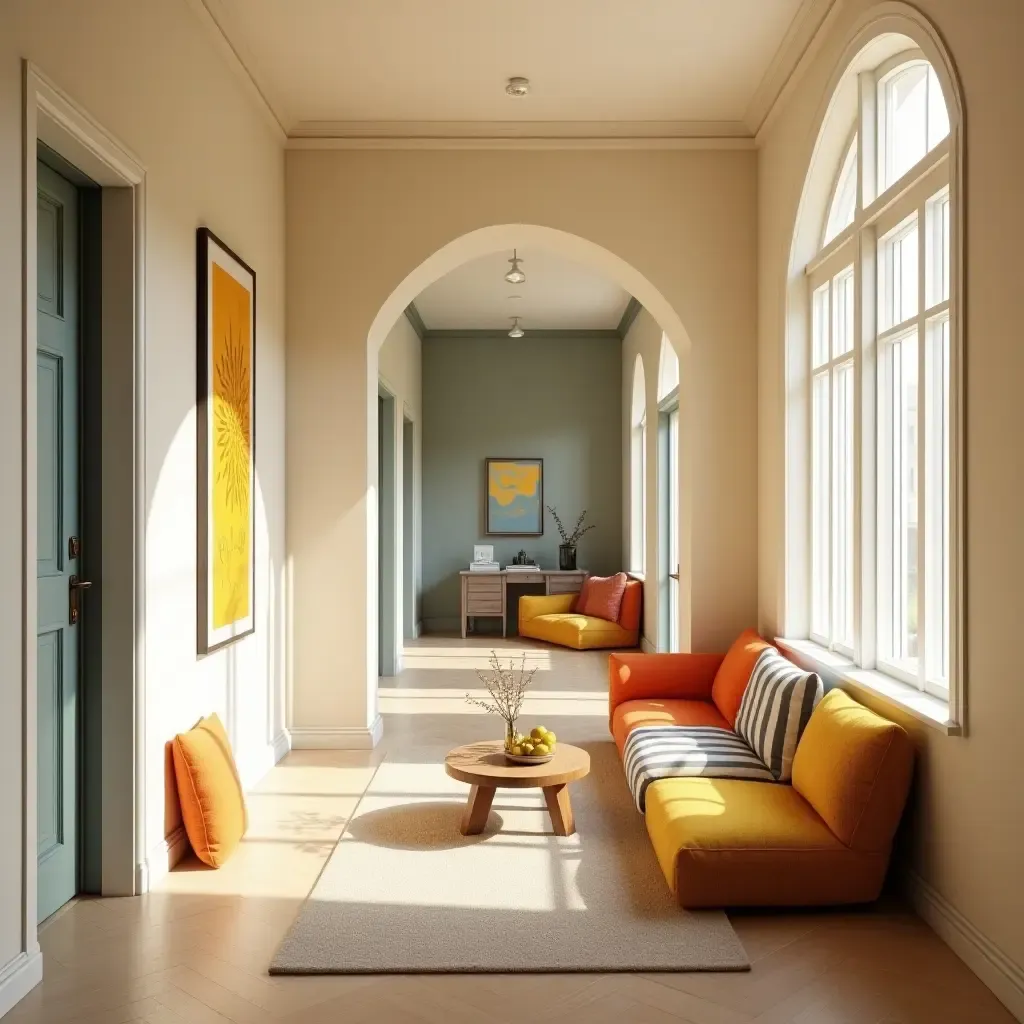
x=528, y=758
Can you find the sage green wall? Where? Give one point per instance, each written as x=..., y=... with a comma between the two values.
x=549, y=396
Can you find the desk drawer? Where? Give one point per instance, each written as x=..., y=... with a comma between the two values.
x=525, y=577
x=480, y=586
x=565, y=584
x=484, y=605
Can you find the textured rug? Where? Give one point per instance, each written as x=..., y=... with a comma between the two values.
x=404, y=892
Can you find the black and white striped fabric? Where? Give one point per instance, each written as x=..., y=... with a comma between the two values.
x=776, y=706
x=655, y=752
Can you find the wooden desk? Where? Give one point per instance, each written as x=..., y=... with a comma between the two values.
x=485, y=594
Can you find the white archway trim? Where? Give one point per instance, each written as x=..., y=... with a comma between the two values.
x=879, y=34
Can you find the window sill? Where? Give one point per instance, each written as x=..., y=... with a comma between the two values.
x=836, y=669
x=635, y=575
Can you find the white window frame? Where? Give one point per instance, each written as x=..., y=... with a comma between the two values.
x=876, y=216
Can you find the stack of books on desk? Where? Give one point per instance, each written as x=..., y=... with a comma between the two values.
x=522, y=568
x=484, y=567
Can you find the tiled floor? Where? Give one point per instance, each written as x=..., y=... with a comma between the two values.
x=197, y=949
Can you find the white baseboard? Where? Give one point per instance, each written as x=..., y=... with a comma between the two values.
x=647, y=647
x=18, y=978
x=1004, y=977
x=306, y=737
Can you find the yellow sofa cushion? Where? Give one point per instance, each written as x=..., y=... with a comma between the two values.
x=583, y=632
x=854, y=767
x=212, y=803
x=730, y=842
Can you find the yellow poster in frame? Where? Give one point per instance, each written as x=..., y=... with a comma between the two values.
x=226, y=306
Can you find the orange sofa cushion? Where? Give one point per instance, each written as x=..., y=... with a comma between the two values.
x=662, y=711
x=854, y=767
x=734, y=673
x=212, y=804
x=632, y=602
x=602, y=597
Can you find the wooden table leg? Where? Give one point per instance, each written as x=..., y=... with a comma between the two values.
x=560, y=809
x=479, y=806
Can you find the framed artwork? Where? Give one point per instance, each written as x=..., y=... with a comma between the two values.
x=515, y=497
x=225, y=405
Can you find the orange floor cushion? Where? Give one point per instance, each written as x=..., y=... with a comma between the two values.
x=663, y=711
x=212, y=802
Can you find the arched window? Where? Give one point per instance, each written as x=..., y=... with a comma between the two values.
x=880, y=380
x=638, y=470
x=668, y=368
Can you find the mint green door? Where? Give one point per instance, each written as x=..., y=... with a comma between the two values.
x=57, y=564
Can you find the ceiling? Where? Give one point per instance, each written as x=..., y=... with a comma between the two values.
x=365, y=68
x=557, y=295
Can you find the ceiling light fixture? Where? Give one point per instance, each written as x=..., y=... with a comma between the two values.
x=515, y=275
x=518, y=86
x=517, y=331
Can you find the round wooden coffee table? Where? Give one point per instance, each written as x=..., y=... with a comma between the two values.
x=484, y=767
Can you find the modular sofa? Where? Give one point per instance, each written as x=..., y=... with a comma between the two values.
x=824, y=839
x=552, y=618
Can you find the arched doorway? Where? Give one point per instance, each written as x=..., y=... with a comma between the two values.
x=481, y=243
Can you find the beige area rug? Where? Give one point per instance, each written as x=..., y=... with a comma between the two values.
x=404, y=892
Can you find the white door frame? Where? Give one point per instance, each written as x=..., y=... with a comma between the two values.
x=50, y=116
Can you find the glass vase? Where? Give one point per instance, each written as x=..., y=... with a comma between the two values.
x=566, y=556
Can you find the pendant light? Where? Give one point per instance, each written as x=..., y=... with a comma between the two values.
x=515, y=275
x=517, y=331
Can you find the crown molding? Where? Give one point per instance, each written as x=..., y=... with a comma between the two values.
x=629, y=314
x=212, y=23
x=800, y=37
x=412, y=314
x=554, y=143
x=600, y=129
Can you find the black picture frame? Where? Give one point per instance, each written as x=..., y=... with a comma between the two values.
x=210, y=248
x=488, y=525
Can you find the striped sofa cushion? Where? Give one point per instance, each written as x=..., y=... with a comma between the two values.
x=655, y=752
x=776, y=706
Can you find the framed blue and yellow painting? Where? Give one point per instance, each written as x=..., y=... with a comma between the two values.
x=515, y=497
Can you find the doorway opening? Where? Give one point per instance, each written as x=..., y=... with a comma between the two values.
x=410, y=610
x=387, y=536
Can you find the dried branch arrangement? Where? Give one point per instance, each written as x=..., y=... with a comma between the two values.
x=577, y=531
x=507, y=689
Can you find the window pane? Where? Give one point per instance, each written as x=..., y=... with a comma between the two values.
x=937, y=270
x=898, y=293
x=842, y=313
x=842, y=506
x=937, y=506
x=938, y=116
x=673, y=530
x=905, y=109
x=819, y=326
x=844, y=202
x=903, y=487
x=820, y=533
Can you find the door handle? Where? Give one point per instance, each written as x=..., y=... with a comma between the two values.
x=75, y=584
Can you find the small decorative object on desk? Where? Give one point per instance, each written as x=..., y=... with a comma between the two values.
x=567, y=549
x=483, y=559
x=522, y=563
x=506, y=689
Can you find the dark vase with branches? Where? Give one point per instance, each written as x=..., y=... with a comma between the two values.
x=570, y=538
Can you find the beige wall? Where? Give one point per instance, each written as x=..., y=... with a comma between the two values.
x=360, y=222
x=399, y=367
x=968, y=808
x=148, y=73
